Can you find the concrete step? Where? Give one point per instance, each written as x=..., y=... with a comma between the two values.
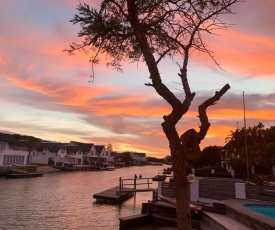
x=216, y=221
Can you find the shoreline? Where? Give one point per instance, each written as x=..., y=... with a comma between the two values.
x=46, y=169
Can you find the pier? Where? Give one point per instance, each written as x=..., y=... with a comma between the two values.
x=126, y=189
x=22, y=171
x=23, y=175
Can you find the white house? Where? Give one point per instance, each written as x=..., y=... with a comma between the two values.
x=74, y=153
x=64, y=154
x=92, y=154
x=100, y=155
x=45, y=151
x=12, y=151
x=87, y=152
x=139, y=157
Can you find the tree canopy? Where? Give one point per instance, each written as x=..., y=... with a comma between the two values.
x=211, y=156
x=260, y=146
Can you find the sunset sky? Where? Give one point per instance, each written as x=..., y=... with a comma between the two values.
x=47, y=94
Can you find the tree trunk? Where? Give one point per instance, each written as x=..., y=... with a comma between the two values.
x=182, y=193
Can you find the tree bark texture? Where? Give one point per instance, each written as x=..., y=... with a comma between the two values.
x=180, y=176
x=182, y=193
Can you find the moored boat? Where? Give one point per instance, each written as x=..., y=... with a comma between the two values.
x=173, y=202
x=96, y=168
x=110, y=168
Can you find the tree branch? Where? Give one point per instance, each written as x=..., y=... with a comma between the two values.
x=202, y=111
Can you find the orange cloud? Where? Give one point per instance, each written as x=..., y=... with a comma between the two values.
x=241, y=53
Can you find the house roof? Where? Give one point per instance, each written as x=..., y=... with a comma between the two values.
x=84, y=146
x=53, y=147
x=99, y=148
x=71, y=150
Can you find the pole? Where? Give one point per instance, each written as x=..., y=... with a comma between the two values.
x=120, y=186
x=245, y=140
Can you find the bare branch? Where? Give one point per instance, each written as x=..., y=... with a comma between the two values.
x=202, y=110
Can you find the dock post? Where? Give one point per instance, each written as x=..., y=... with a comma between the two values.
x=119, y=185
x=135, y=183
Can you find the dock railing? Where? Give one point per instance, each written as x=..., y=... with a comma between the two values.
x=135, y=184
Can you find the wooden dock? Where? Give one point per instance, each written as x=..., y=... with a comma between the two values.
x=112, y=195
x=23, y=175
x=125, y=190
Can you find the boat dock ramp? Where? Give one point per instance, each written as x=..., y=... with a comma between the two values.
x=22, y=171
x=126, y=189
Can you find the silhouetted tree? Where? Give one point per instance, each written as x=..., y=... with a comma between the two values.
x=155, y=159
x=127, y=158
x=109, y=148
x=260, y=143
x=138, y=30
x=269, y=135
x=211, y=156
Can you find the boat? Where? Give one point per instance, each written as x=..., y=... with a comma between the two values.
x=167, y=171
x=173, y=202
x=110, y=168
x=96, y=168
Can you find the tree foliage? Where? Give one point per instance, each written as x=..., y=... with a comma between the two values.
x=109, y=148
x=127, y=158
x=211, y=156
x=260, y=147
x=155, y=159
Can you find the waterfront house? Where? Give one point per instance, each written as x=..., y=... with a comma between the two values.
x=45, y=152
x=100, y=155
x=73, y=154
x=12, y=151
x=87, y=151
x=90, y=154
x=139, y=158
x=68, y=154
x=77, y=153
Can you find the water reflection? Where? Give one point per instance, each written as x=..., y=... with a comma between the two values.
x=64, y=200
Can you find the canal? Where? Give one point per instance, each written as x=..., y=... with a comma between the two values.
x=64, y=200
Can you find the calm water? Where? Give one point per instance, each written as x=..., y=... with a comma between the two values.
x=65, y=200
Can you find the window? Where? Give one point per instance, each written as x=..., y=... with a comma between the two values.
x=13, y=160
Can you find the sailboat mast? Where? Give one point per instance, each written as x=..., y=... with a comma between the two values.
x=245, y=139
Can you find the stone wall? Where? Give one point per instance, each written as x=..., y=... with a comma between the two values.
x=216, y=188
x=223, y=189
x=260, y=192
